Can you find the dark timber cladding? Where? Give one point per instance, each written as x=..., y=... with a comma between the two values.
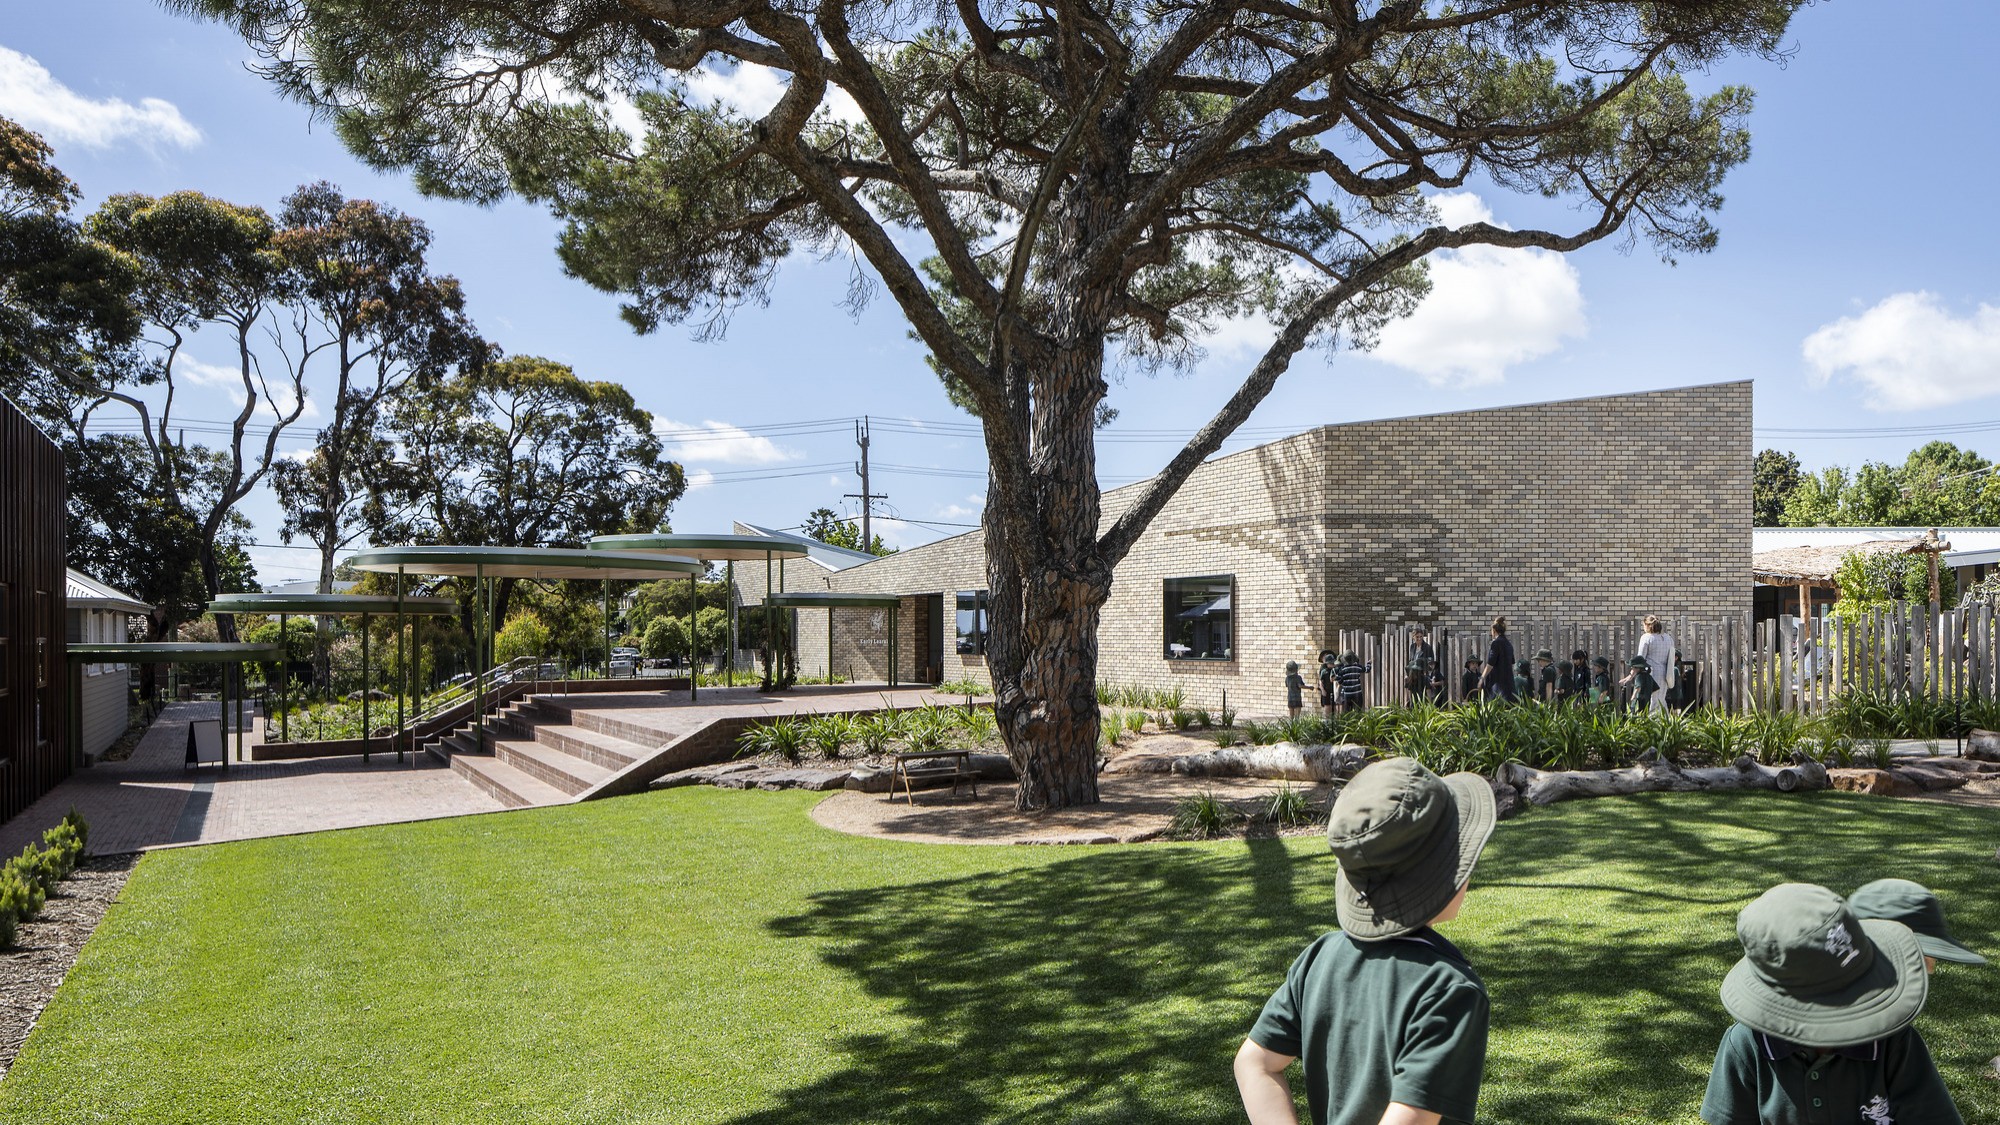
x=33, y=711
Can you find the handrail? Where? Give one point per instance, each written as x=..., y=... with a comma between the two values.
x=457, y=695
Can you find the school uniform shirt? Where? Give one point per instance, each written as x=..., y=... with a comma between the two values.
x=1295, y=685
x=1760, y=1079
x=1500, y=666
x=1601, y=690
x=1375, y=1022
x=1328, y=686
x=1352, y=677
x=1468, y=684
x=1643, y=687
x=1551, y=680
x=1575, y=681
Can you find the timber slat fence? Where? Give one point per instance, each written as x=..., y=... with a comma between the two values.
x=1781, y=665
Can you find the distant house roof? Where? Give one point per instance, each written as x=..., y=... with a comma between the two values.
x=81, y=591
x=825, y=554
x=1814, y=555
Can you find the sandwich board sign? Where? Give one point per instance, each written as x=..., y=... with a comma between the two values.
x=205, y=743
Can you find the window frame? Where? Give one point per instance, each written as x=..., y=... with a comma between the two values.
x=982, y=616
x=1169, y=611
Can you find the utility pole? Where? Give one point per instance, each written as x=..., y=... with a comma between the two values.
x=866, y=497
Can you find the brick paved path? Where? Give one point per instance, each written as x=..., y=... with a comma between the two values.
x=152, y=800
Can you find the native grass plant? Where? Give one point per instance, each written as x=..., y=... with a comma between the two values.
x=1289, y=806
x=1881, y=753
x=966, y=687
x=1202, y=816
x=1225, y=715
x=828, y=733
x=1204, y=718
x=979, y=725
x=1137, y=698
x=928, y=729
x=873, y=733
x=782, y=737
x=1110, y=727
x=1224, y=739
x=1135, y=721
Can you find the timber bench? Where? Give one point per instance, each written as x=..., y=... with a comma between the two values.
x=914, y=764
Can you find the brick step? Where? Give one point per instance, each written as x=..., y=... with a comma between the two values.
x=597, y=748
x=506, y=784
x=549, y=765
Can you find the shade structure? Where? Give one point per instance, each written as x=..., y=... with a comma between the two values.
x=331, y=605
x=338, y=605
x=707, y=548
x=559, y=564
x=726, y=548
x=830, y=600
x=549, y=563
x=179, y=652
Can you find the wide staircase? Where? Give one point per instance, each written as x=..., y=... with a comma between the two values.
x=541, y=753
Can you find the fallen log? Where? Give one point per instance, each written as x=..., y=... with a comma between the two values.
x=1654, y=774
x=1279, y=761
x=1983, y=745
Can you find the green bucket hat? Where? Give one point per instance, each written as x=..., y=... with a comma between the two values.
x=1406, y=840
x=1912, y=904
x=1816, y=975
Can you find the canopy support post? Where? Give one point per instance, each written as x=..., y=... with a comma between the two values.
x=729, y=600
x=694, y=658
x=367, y=688
x=770, y=645
x=284, y=681
x=402, y=665
x=480, y=628
x=607, y=630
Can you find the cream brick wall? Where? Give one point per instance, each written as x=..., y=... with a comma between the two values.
x=1585, y=511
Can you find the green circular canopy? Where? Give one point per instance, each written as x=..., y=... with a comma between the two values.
x=330, y=605
x=828, y=599
x=175, y=652
x=524, y=562
x=708, y=548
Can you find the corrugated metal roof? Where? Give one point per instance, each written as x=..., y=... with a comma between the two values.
x=81, y=591
x=825, y=554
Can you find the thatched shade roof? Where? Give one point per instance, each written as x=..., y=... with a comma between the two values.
x=1816, y=566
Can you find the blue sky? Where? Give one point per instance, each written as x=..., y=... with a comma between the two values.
x=1852, y=282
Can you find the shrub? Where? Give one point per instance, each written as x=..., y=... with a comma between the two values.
x=928, y=729
x=1203, y=718
x=979, y=724
x=1226, y=716
x=1881, y=754
x=21, y=888
x=1182, y=718
x=1225, y=739
x=1109, y=727
x=1288, y=806
x=1172, y=699
x=1202, y=817
x=1135, y=721
x=75, y=820
x=60, y=851
x=974, y=687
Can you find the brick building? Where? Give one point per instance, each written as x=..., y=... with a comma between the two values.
x=1581, y=511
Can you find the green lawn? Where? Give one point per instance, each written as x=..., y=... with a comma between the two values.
x=710, y=956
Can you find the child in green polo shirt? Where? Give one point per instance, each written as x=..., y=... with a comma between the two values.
x=1912, y=904
x=1823, y=1002
x=1385, y=1016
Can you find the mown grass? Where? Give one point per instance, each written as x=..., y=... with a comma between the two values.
x=711, y=956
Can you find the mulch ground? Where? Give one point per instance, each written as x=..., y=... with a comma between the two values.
x=45, y=948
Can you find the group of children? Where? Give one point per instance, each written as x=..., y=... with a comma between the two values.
x=1389, y=1019
x=1583, y=680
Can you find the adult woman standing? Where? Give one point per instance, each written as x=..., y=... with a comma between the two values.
x=1497, y=680
x=1656, y=647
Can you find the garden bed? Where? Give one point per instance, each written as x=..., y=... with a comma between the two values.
x=45, y=948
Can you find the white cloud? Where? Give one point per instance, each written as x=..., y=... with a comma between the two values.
x=31, y=95
x=1909, y=352
x=1236, y=337
x=1489, y=308
x=752, y=90
x=228, y=381
x=714, y=442
x=700, y=478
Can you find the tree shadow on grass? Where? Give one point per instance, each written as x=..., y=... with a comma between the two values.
x=1113, y=987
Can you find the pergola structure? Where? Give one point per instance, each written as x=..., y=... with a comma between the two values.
x=172, y=652
x=1809, y=568
x=829, y=600
x=484, y=564
x=725, y=549
x=340, y=605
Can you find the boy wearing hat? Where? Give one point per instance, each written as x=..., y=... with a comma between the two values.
x=1823, y=1002
x=1548, y=676
x=1601, y=691
x=1329, y=687
x=1912, y=904
x=1353, y=676
x=1386, y=1016
x=1468, y=680
x=1524, y=681
x=1295, y=688
x=1573, y=679
x=1642, y=681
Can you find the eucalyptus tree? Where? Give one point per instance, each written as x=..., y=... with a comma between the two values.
x=387, y=321
x=1093, y=182
x=521, y=452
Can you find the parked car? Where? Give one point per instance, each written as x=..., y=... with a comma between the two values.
x=623, y=665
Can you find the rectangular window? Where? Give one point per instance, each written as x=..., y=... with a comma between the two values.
x=975, y=609
x=1199, y=619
